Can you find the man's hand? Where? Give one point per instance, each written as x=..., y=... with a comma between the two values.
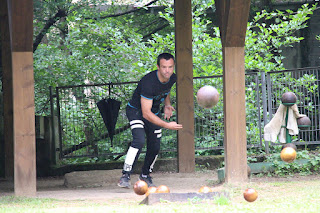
x=173, y=125
x=168, y=109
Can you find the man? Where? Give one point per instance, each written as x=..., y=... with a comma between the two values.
x=143, y=112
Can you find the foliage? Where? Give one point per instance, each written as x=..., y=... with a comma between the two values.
x=87, y=45
x=312, y=165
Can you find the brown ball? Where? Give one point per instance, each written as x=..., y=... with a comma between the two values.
x=250, y=195
x=140, y=187
x=288, y=154
x=163, y=189
x=288, y=98
x=151, y=189
x=304, y=122
x=205, y=189
x=207, y=96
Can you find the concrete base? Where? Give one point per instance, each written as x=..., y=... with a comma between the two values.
x=181, y=197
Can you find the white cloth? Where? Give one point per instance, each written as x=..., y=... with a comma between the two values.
x=273, y=129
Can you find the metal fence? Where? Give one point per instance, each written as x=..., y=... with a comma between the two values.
x=82, y=132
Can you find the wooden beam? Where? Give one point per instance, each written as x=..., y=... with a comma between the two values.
x=184, y=69
x=24, y=124
x=235, y=142
x=233, y=18
x=21, y=27
x=7, y=89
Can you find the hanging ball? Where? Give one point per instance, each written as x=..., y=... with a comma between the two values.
x=140, y=187
x=304, y=122
x=288, y=98
x=288, y=154
x=207, y=96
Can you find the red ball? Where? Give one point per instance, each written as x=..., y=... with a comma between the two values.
x=250, y=195
x=140, y=187
x=207, y=96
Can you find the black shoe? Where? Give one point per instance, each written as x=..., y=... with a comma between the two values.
x=147, y=179
x=124, y=181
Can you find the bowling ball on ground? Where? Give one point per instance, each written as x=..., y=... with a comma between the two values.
x=288, y=98
x=205, y=189
x=292, y=145
x=250, y=194
x=207, y=96
x=140, y=187
x=288, y=154
x=162, y=189
x=151, y=189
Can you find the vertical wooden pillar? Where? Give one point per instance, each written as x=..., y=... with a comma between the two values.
x=184, y=70
x=7, y=89
x=21, y=28
x=235, y=140
x=233, y=18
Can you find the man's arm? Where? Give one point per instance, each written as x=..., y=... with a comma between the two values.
x=146, y=106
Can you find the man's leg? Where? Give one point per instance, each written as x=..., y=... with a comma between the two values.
x=153, y=147
x=138, y=134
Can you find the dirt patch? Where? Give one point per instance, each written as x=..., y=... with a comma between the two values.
x=101, y=186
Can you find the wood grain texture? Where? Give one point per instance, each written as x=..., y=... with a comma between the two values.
x=235, y=142
x=24, y=124
x=7, y=89
x=233, y=18
x=184, y=70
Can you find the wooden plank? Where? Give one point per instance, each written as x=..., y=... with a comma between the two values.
x=181, y=197
x=7, y=89
x=22, y=25
x=235, y=143
x=24, y=124
x=233, y=19
x=184, y=70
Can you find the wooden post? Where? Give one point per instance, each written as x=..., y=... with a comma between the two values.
x=21, y=28
x=7, y=89
x=235, y=141
x=233, y=18
x=184, y=70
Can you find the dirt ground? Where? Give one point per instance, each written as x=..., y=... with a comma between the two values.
x=102, y=185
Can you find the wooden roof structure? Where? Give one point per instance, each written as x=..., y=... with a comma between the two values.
x=16, y=22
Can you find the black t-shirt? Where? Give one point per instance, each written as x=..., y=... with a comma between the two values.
x=151, y=88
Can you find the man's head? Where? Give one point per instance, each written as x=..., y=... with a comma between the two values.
x=165, y=56
x=165, y=65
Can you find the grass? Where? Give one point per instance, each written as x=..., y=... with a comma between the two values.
x=286, y=195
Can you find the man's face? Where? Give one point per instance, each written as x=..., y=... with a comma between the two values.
x=165, y=70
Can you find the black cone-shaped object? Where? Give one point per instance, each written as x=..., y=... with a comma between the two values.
x=109, y=110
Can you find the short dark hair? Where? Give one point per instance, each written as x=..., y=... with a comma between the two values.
x=166, y=56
